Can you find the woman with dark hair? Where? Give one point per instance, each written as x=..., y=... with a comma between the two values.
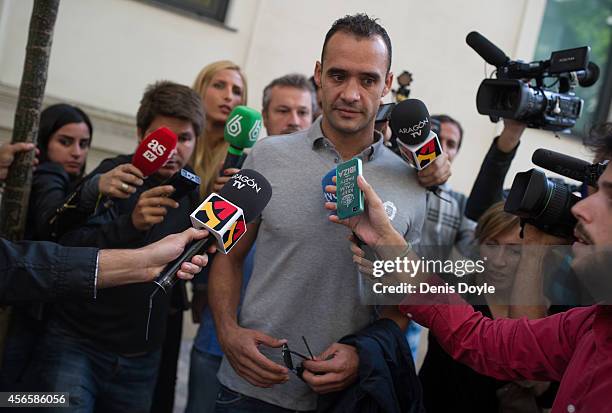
x=58, y=201
x=64, y=138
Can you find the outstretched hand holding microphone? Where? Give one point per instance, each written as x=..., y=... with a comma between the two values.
x=373, y=226
x=224, y=215
x=151, y=154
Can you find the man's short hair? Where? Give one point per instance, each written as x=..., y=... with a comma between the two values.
x=599, y=141
x=359, y=25
x=448, y=119
x=294, y=80
x=165, y=98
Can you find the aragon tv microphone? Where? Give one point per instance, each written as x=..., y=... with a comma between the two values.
x=224, y=215
x=241, y=132
x=154, y=150
x=417, y=143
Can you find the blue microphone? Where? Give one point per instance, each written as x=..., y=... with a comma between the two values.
x=327, y=180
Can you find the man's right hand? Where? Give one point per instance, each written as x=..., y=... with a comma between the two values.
x=240, y=346
x=151, y=207
x=511, y=135
x=223, y=178
x=120, y=182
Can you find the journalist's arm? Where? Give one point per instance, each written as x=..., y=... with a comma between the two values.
x=489, y=185
x=44, y=271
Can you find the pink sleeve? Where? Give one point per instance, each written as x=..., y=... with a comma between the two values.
x=505, y=349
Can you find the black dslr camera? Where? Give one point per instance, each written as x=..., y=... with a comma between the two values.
x=547, y=203
x=519, y=91
x=543, y=203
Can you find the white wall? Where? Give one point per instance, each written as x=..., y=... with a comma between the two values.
x=106, y=51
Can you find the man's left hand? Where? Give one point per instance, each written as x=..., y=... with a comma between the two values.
x=336, y=369
x=435, y=174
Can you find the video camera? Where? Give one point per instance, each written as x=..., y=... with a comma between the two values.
x=513, y=96
x=546, y=203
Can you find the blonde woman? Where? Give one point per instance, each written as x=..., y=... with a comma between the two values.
x=222, y=86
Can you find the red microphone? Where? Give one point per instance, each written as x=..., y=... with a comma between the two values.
x=154, y=150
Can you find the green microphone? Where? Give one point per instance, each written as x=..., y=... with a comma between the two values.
x=241, y=131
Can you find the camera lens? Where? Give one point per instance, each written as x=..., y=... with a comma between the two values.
x=542, y=202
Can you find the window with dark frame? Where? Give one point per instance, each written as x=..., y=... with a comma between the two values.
x=574, y=23
x=210, y=9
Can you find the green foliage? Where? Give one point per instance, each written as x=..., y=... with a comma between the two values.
x=575, y=23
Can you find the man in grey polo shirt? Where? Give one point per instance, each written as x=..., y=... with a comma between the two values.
x=304, y=282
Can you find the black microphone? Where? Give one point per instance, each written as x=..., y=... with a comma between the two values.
x=417, y=143
x=224, y=215
x=487, y=50
x=589, y=76
x=567, y=166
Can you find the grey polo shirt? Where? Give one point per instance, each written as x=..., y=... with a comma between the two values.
x=304, y=282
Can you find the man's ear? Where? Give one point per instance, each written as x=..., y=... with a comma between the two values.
x=388, y=84
x=317, y=74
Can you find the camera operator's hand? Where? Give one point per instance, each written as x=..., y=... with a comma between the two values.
x=435, y=174
x=224, y=177
x=336, y=369
x=151, y=207
x=511, y=135
x=241, y=347
x=120, y=182
x=535, y=260
x=534, y=236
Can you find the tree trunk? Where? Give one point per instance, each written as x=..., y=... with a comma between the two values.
x=14, y=208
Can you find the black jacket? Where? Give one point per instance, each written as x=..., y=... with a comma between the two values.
x=118, y=320
x=387, y=377
x=44, y=271
x=450, y=386
x=51, y=185
x=489, y=185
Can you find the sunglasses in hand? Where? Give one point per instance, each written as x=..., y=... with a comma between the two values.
x=287, y=353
